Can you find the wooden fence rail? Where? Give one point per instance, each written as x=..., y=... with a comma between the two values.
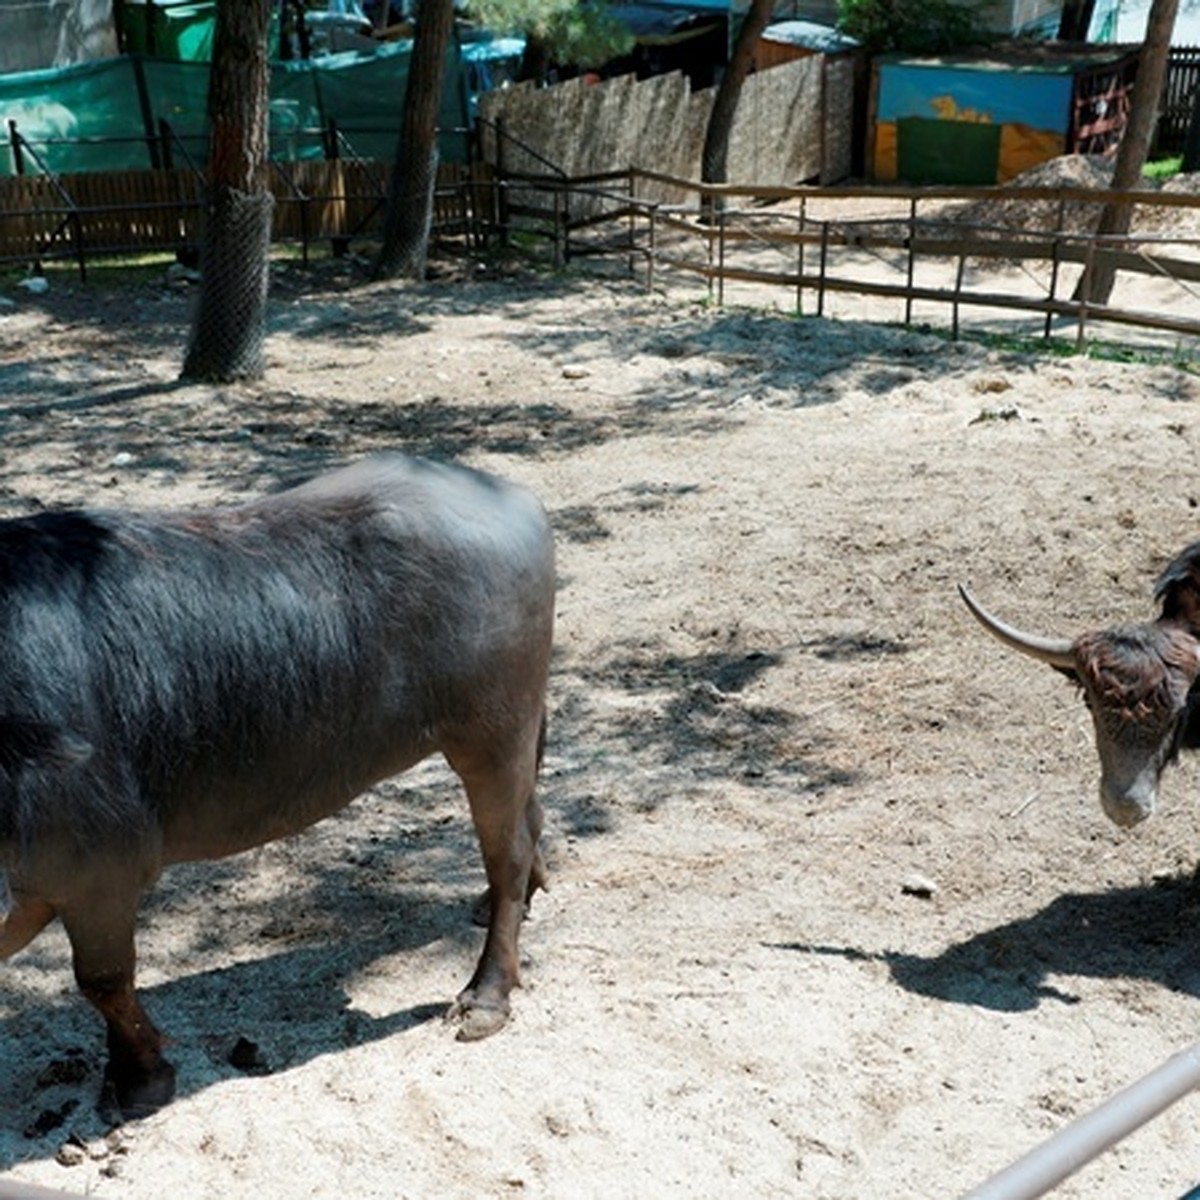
x=820, y=245
x=789, y=238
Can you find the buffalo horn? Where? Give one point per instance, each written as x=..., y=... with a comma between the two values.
x=1055, y=651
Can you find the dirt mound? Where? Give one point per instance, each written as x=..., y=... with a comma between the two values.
x=992, y=216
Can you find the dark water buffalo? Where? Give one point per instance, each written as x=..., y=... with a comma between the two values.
x=1139, y=683
x=185, y=685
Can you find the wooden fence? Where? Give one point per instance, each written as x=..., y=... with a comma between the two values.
x=942, y=255
x=47, y=217
x=947, y=256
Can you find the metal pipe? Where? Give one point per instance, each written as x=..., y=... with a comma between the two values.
x=1087, y=1136
x=10, y=1189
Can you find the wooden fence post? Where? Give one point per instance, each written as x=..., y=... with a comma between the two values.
x=824, y=261
x=653, y=249
x=911, y=274
x=1083, y=303
x=1055, y=263
x=800, y=258
x=501, y=182
x=721, y=257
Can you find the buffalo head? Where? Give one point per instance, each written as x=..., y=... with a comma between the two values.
x=1139, y=682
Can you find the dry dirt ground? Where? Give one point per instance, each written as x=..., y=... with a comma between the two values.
x=834, y=910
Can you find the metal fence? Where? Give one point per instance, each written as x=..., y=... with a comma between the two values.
x=1178, y=100
x=1088, y=1136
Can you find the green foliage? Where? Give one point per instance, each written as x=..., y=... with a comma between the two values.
x=1163, y=168
x=912, y=26
x=1182, y=357
x=584, y=35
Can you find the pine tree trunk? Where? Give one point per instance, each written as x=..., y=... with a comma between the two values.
x=714, y=159
x=1075, y=20
x=1096, y=285
x=228, y=326
x=409, y=216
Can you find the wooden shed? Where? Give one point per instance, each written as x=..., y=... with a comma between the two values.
x=785, y=41
x=983, y=118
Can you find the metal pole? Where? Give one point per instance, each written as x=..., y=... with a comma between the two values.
x=11, y=1189
x=1087, y=1136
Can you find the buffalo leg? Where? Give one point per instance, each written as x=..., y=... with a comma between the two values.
x=102, y=945
x=22, y=918
x=508, y=822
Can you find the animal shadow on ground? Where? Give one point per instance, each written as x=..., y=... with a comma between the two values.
x=1136, y=932
x=283, y=1000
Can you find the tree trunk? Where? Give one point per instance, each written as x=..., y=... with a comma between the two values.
x=230, y=318
x=1075, y=20
x=535, y=60
x=409, y=215
x=1095, y=286
x=714, y=160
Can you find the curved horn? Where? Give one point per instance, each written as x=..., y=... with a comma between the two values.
x=1055, y=651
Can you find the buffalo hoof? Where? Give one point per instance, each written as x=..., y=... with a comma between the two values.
x=475, y=1018
x=140, y=1093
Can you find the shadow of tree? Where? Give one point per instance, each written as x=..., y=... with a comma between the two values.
x=848, y=647
x=697, y=715
x=288, y=996
x=272, y=434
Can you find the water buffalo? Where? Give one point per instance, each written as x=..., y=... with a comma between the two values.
x=1138, y=682
x=184, y=685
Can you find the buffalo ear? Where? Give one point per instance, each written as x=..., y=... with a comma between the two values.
x=40, y=745
x=1178, y=589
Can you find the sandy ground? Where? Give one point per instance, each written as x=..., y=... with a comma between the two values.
x=834, y=910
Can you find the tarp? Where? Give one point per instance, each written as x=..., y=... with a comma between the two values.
x=104, y=116
x=37, y=34
x=658, y=25
x=809, y=35
x=182, y=30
